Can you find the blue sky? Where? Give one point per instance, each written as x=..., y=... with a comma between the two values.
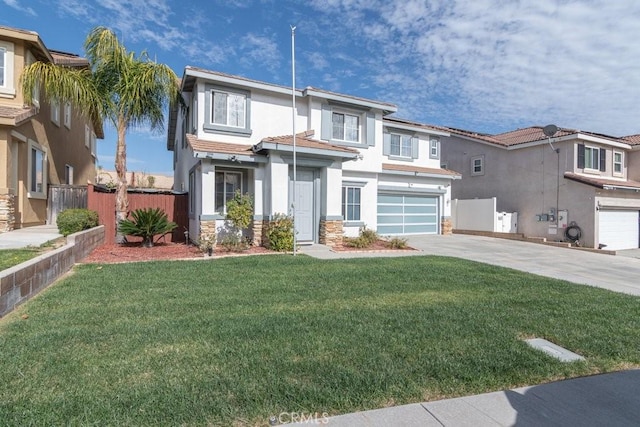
x=483, y=65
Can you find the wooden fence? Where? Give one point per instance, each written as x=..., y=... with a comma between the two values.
x=63, y=197
x=175, y=205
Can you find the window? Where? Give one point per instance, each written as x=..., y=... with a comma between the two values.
x=87, y=136
x=434, y=148
x=227, y=110
x=68, y=174
x=345, y=127
x=401, y=145
x=93, y=144
x=7, y=89
x=55, y=112
x=37, y=171
x=592, y=158
x=227, y=183
x=351, y=203
x=67, y=115
x=192, y=191
x=477, y=165
x=617, y=162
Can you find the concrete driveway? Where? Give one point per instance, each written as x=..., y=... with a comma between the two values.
x=613, y=272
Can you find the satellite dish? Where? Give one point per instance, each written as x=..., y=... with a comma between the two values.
x=550, y=130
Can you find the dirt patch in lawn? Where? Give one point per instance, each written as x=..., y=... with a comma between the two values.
x=133, y=252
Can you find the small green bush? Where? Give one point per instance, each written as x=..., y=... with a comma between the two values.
x=366, y=238
x=147, y=223
x=397, y=243
x=71, y=221
x=234, y=243
x=279, y=233
x=240, y=210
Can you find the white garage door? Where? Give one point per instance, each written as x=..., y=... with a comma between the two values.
x=618, y=229
x=407, y=214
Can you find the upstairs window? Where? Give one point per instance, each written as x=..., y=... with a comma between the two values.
x=434, y=148
x=592, y=158
x=477, y=165
x=617, y=163
x=346, y=127
x=67, y=115
x=7, y=89
x=55, y=112
x=68, y=174
x=227, y=111
x=400, y=145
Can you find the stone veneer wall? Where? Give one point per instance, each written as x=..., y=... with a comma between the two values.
x=21, y=282
x=208, y=230
x=446, y=226
x=258, y=229
x=7, y=212
x=330, y=232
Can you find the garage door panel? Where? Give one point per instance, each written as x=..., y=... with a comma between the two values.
x=618, y=229
x=407, y=214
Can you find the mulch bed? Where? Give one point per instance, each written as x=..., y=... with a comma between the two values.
x=133, y=252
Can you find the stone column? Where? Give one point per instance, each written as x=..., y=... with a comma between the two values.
x=207, y=232
x=330, y=232
x=258, y=228
x=446, y=226
x=7, y=212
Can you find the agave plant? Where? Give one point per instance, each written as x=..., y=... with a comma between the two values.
x=147, y=223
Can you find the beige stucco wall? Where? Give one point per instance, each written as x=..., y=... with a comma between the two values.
x=63, y=146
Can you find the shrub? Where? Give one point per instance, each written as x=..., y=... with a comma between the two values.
x=240, y=210
x=279, y=233
x=146, y=223
x=234, y=243
x=71, y=221
x=366, y=238
x=397, y=243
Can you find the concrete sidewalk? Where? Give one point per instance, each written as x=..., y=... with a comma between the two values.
x=599, y=400
x=29, y=236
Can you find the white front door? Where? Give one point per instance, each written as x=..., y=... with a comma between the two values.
x=304, y=207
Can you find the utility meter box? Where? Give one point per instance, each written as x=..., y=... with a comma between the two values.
x=563, y=219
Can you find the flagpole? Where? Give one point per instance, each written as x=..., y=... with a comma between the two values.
x=293, y=101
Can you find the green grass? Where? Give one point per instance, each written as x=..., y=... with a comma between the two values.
x=239, y=339
x=11, y=257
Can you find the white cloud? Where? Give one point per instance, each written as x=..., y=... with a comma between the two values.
x=261, y=51
x=497, y=65
x=16, y=5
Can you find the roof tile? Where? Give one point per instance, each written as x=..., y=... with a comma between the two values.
x=417, y=169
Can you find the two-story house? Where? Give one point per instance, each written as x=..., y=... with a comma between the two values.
x=40, y=144
x=574, y=177
x=355, y=166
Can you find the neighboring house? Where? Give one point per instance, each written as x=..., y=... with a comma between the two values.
x=356, y=167
x=40, y=144
x=582, y=177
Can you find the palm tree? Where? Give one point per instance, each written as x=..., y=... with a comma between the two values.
x=127, y=90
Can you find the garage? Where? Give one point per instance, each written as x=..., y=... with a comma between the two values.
x=407, y=214
x=618, y=229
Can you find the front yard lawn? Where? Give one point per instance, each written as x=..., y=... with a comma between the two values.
x=11, y=257
x=236, y=340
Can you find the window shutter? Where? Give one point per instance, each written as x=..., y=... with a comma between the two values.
x=603, y=159
x=414, y=148
x=580, y=156
x=386, y=144
x=325, y=132
x=371, y=129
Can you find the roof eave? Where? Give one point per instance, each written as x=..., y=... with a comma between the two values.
x=266, y=145
x=229, y=157
x=386, y=108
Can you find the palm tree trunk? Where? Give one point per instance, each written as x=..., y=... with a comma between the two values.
x=122, y=203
